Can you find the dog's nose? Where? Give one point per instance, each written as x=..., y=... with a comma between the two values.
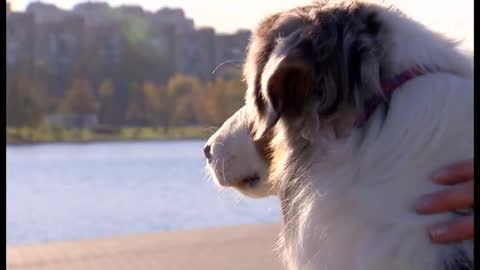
x=207, y=152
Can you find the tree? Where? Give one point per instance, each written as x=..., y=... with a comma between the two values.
x=222, y=99
x=107, y=106
x=135, y=114
x=106, y=89
x=145, y=105
x=235, y=93
x=184, y=100
x=214, y=105
x=24, y=102
x=153, y=102
x=79, y=99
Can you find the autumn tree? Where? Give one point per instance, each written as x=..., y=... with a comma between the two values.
x=107, y=107
x=154, y=112
x=214, y=101
x=235, y=93
x=222, y=99
x=79, y=99
x=135, y=114
x=24, y=102
x=145, y=105
x=183, y=100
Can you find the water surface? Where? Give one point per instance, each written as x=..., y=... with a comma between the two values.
x=75, y=191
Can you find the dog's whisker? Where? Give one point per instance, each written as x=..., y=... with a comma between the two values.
x=224, y=63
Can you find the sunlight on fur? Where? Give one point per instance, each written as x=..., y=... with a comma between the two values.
x=347, y=192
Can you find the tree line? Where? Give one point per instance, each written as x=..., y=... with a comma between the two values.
x=180, y=100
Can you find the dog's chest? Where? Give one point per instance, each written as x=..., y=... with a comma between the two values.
x=356, y=232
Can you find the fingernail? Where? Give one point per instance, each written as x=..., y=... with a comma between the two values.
x=437, y=231
x=439, y=174
x=424, y=202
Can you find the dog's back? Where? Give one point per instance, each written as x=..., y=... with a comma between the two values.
x=366, y=220
x=436, y=131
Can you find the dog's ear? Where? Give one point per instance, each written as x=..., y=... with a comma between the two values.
x=320, y=68
x=286, y=82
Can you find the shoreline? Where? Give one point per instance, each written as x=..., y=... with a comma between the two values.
x=228, y=247
x=80, y=142
x=36, y=136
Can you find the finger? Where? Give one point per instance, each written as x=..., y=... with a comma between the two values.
x=453, y=231
x=455, y=173
x=457, y=197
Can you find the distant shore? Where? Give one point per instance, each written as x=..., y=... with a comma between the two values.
x=235, y=248
x=33, y=136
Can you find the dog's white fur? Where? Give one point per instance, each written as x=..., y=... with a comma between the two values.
x=358, y=213
x=355, y=210
x=235, y=158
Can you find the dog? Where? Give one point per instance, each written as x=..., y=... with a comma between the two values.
x=349, y=107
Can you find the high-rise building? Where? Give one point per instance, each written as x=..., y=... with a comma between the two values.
x=96, y=33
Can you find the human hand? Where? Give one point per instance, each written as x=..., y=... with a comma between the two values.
x=461, y=177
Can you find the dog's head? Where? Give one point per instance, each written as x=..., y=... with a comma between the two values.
x=310, y=68
x=236, y=160
x=313, y=65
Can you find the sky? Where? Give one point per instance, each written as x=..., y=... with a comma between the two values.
x=455, y=18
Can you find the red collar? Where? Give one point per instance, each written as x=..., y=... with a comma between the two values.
x=388, y=87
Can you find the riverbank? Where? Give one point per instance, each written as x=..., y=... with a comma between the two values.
x=235, y=248
x=26, y=135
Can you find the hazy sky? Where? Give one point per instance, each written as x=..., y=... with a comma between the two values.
x=453, y=17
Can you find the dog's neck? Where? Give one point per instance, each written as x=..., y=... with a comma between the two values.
x=388, y=87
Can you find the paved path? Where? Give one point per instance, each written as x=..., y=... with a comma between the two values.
x=227, y=248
